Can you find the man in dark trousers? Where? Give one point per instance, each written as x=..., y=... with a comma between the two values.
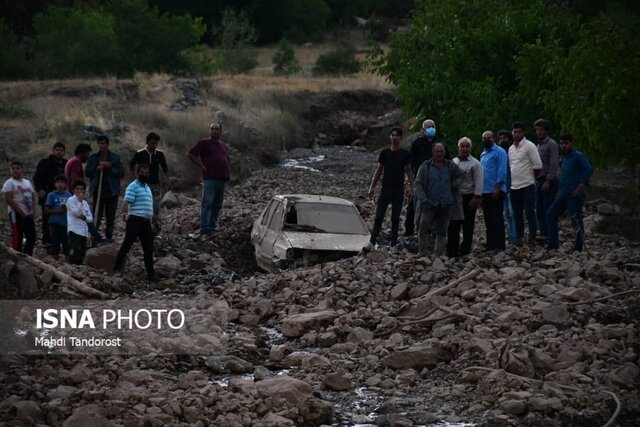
x=45, y=182
x=138, y=214
x=105, y=166
x=212, y=157
x=393, y=163
x=574, y=178
x=421, y=150
x=156, y=160
x=437, y=181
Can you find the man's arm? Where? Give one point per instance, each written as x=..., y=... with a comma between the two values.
x=408, y=170
x=587, y=171
x=133, y=162
x=197, y=161
x=534, y=158
x=374, y=181
x=117, y=168
x=478, y=182
x=419, y=184
x=502, y=173
x=125, y=210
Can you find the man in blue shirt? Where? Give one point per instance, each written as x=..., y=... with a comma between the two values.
x=138, y=214
x=494, y=167
x=575, y=174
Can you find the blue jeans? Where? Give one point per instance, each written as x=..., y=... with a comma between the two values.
x=212, y=198
x=544, y=200
x=508, y=215
x=574, y=205
x=523, y=201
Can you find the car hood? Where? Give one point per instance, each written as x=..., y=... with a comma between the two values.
x=327, y=241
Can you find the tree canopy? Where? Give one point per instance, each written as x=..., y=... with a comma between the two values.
x=482, y=64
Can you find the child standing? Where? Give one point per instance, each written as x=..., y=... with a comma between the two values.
x=21, y=198
x=55, y=207
x=78, y=217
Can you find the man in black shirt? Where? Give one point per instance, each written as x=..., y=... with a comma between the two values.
x=395, y=162
x=44, y=180
x=155, y=159
x=421, y=150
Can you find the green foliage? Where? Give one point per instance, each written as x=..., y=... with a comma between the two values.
x=120, y=38
x=236, y=53
x=481, y=65
x=12, y=60
x=284, y=59
x=598, y=89
x=199, y=60
x=340, y=61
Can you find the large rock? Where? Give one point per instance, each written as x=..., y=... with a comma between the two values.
x=103, y=257
x=285, y=387
x=298, y=324
x=89, y=415
x=415, y=357
x=337, y=382
x=167, y=266
x=557, y=314
x=27, y=411
x=514, y=407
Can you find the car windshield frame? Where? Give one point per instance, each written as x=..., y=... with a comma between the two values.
x=324, y=217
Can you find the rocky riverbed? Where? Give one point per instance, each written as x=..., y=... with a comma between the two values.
x=524, y=337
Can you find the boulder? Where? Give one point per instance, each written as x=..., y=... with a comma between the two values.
x=513, y=407
x=337, y=382
x=285, y=387
x=27, y=411
x=88, y=415
x=557, y=314
x=103, y=257
x=415, y=357
x=167, y=266
x=298, y=324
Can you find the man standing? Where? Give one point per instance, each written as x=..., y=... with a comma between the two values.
x=211, y=156
x=156, y=160
x=547, y=181
x=44, y=181
x=138, y=214
x=78, y=219
x=421, y=150
x=504, y=140
x=74, y=168
x=105, y=169
x=467, y=199
x=21, y=199
x=494, y=166
x=574, y=177
x=525, y=164
x=435, y=186
x=393, y=163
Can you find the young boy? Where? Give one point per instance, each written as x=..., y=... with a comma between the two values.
x=78, y=218
x=22, y=199
x=55, y=207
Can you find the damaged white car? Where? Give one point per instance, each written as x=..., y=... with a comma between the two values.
x=297, y=230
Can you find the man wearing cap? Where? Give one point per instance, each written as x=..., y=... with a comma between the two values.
x=421, y=150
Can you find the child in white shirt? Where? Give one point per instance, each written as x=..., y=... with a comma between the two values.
x=78, y=217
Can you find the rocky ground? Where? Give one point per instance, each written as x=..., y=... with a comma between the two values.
x=524, y=337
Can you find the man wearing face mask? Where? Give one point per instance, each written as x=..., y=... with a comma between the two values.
x=421, y=151
x=494, y=167
x=138, y=214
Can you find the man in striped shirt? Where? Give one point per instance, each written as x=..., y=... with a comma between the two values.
x=138, y=214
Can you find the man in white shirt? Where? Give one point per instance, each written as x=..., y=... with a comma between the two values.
x=467, y=201
x=525, y=164
x=21, y=199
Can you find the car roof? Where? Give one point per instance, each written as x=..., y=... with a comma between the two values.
x=313, y=198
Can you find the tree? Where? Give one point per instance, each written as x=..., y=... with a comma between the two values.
x=284, y=59
x=120, y=38
x=236, y=53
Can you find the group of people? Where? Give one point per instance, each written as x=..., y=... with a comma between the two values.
x=513, y=179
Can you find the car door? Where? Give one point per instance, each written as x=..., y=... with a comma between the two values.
x=273, y=232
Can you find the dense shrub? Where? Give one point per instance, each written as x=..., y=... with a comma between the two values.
x=339, y=61
x=284, y=59
x=236, y=53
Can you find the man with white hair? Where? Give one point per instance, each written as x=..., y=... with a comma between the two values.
x=421, y=151
x=467, y=201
